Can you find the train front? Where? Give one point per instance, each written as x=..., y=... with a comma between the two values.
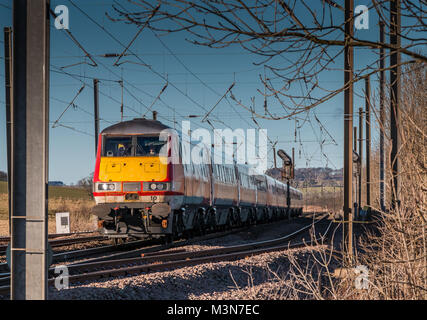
x=132, y=183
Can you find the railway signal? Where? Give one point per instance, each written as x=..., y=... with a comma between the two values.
x=287, y=172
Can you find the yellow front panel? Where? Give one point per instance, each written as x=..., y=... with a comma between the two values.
x=132, y=169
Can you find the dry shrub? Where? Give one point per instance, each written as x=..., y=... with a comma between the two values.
x=396, y=255
x=395, y=251
x=330, y=201
x=4, y=209
x=81, y=218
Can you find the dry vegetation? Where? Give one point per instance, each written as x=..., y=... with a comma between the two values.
x=77, y=203
x=80, y=217
x=394, y=252
x=397, y=255
x=329, y=199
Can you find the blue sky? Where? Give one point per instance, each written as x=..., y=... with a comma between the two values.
x=71, y=151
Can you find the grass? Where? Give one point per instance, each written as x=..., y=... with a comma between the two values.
x=55, y=192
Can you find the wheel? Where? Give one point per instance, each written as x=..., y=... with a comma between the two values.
x=117, y=241
x=168, y=239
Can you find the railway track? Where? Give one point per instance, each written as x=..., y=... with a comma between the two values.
x=53, y=235
x=69, y=255
x=150, y=262
x=147, y=250
x=155, y=260
x=63, y=242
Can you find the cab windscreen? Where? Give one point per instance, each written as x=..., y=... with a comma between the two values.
x=150, y=146
x=135, y=146
x=118, y=147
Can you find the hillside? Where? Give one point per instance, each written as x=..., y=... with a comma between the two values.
x=312, y=176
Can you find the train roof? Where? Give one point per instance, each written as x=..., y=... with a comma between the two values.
x=135, y=126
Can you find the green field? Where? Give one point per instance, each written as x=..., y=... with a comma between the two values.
x=58, y=192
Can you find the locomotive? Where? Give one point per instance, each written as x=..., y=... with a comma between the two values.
x=140, y=193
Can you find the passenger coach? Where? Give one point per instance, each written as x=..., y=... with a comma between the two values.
x=139, y=194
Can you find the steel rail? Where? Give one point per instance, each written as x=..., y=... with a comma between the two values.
x=173, y=256
x=183, y=262
x=178, y=257
x=63, y=256
x=54, y=235
x=60, y=257
x=64, y=242
x=151, y=250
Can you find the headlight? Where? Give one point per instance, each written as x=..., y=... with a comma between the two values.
x=152, y=186
x=106, y=187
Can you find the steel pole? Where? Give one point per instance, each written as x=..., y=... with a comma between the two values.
x=382, y=119
x=355, y=205
x=288, y=195
x=121, y=106
x=274, y=155
x=9, y=110
x=368, y=141
x=96, y=111
x=293, y=164
x=360, y=160
x=355, y=139
x=395, y=73
x=348, y=128
x=29, y=244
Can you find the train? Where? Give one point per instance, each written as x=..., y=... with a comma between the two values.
x=140, y=193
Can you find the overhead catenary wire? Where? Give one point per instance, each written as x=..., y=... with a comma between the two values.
x=69, y=105
x=139, y=100
x=141, y=60
x=143, y=63
x=70, y=35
